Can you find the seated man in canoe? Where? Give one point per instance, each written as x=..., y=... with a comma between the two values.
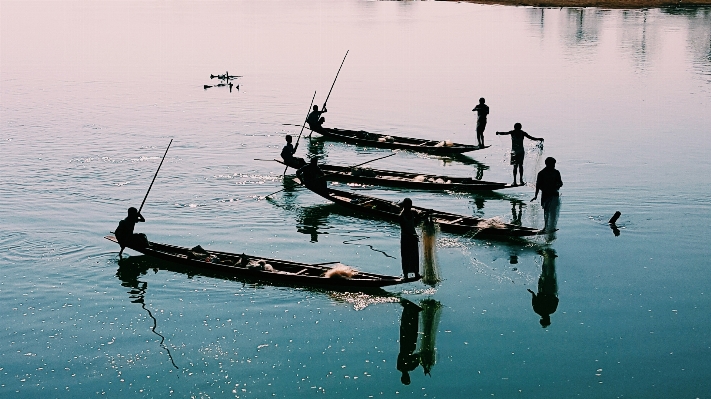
x=124, y=232
x=315, y=120
x=287, y=154
x=312, y=177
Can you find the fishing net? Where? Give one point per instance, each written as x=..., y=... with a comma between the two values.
x=431, y=310
x=430, y=271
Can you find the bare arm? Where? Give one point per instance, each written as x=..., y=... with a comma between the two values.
x=503, y=133
x=531, y=137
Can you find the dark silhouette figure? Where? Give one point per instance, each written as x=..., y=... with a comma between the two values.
x=312, y=177
x=517, y=150
x=410, y=330
x=409, y=241
x=545, y=302
x=407, y=359
x=314, y=119
x=482, y=111
x=287, y=154
x=548, y=183
x=124, y=232
x=516, y=214
x=311, y=221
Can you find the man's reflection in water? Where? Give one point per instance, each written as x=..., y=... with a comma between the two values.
x=311, y=219
x=410, y=329
x=516, y=213
x=545, y=302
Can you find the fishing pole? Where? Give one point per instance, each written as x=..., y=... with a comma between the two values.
x=154, y=177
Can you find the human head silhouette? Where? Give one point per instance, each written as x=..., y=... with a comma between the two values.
x=550, y=161
x=314, y=161
x=482, y=101
x=315, y=107
x=288, y=138
x=405, y=378
x=517, y=126
x=132, y=211
x=406, y=203
x=545, y=321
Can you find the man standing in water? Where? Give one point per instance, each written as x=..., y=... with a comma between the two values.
x=314, y=119
x=549, y=182
x=124, y=232
x=482, y=111
x=409, y=241
x=517, y=150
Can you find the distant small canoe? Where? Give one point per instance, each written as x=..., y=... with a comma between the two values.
x=448, y=222
x=368, y=139
x=279, y=270
x=391, y=178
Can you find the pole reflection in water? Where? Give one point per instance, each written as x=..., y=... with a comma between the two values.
x=545, y=302
x=128, y=272
x=411, y=327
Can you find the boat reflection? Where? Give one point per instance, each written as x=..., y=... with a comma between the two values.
x=413, y=327
x=466, y=160
x=545, y=302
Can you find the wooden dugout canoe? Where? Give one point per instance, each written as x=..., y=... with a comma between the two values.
x=360, y=137
x=449, y=222
x=283, y=271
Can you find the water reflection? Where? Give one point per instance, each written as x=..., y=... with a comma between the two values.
x=137, y=293
x=412, y=328
x=313, y=220
x=582, y=26
x=545, y=302
x=466, y=160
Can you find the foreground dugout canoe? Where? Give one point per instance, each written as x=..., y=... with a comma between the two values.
x=283, y=271
x=391, y=178
x=364, y=138
x=448, y=222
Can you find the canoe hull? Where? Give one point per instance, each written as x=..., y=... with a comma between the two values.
x=285, y=271
x=360, y=137
x=448, y=222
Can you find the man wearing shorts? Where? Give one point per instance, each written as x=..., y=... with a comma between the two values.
x=517, y=150
x=482, y=111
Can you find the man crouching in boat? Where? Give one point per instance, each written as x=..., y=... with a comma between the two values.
x=315, y=120
x=409, y=241
x=287, y=154
x=312, y=177
x=124, y=232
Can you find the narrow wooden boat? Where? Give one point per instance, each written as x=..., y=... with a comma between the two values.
x=368, y=139
x=448, y=222
x=241, y=265
x=391, y=178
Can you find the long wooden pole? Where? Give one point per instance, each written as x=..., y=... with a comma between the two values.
x=302, y=129
x=334, y=80
x=154, y=177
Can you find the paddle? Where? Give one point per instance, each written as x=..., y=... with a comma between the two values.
x=334, y=83
x=302, y=129
x=154, y=177
x=360, y=164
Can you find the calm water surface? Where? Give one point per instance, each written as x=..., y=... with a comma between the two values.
x=91, y=93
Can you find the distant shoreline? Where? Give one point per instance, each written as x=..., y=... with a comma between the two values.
x=624, y=4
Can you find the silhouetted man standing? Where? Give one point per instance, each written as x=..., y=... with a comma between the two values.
x=517, y=150
x=548, y=183
x=482, y=111
x=314, y=119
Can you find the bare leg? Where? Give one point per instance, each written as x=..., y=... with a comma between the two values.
x=520, y=170
x=514, y=173
x=121, y=251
